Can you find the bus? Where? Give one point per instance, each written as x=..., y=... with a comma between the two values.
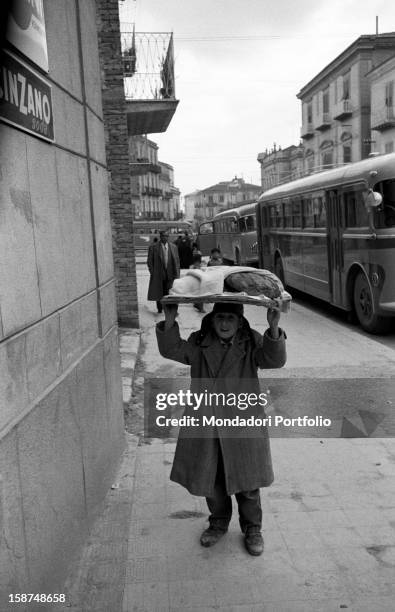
x=332, y=235
x=233, y=232
x=145, y=232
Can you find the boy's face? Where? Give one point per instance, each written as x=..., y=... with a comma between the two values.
x=225, y=324
x=215, y=255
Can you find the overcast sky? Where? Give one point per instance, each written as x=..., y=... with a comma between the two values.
x=238, y=66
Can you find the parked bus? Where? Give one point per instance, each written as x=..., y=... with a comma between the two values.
x=233, y=231
x=332, y=235
x=146, y=231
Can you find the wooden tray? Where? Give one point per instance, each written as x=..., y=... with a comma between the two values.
x=283, y=302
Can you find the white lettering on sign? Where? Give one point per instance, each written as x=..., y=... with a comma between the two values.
x=28, y=99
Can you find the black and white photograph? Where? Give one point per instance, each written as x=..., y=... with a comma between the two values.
x=197, y=306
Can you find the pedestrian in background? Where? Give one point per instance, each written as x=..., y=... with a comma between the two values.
x=183, y=244
x=164, y=266
x=215, y=258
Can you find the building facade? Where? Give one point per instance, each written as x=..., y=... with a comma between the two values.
x=226, y=194
x=281, y=165
x=154, y=195
x=190, y=200
x=170, y=194
x=61, y=412
x=336, y=105
x=382, y=79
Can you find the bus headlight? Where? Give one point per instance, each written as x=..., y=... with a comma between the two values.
x=375, y=279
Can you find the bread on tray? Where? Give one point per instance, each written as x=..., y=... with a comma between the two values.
x=229, y=284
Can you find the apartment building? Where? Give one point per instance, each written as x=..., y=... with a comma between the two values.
x=336, y=104
x=226, y=194
x=382, y=121
x=169, y=193
x=154, y=195
x=281, y=165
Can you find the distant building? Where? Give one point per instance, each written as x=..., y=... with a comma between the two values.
x=154, y=195
x=169, y=193
x=281, y=165
x=336, y=104
x=190, y=200
x=382, y=120
x=226, y=194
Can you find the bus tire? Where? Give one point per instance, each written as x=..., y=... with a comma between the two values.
x=279, y=270
x=363, y=305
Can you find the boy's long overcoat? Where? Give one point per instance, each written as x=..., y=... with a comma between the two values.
x=247, y=460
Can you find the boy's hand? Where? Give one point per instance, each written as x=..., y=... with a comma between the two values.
x=273, y=318
x=170, y=314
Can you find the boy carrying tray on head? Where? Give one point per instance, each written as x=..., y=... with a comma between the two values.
x=227, y=350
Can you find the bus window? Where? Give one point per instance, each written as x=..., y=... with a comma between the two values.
x=242, y=224
x=355, y=210
x=287, y=214
x=308, y=214
x=206, y=228
x=384, y=216
x=250, y=223
x=319, y=212
x=274, y=216
x=297, y=213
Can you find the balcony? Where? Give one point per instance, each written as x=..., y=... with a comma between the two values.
x=142, y=165
x=152, y=191
x=307, y=131
x=148, y=66
x=323, y=122
x=343, y=110
x=383, y=120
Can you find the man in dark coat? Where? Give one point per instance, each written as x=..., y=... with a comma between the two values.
x=227, y=351
x=164, y=266
x=183, y=244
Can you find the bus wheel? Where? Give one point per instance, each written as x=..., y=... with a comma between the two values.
x=279, y=270
x=363, y=305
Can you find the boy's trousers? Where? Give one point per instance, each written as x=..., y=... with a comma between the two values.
x=220, y=505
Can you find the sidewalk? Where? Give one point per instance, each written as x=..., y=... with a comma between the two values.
x=329, y=525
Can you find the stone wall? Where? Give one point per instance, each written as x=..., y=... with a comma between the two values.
x=61, y=418
x=114, y=111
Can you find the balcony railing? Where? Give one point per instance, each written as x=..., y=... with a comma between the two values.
x=148, y=64
x=307, y=130
x=343, y=110
x=323, y=122
x=384, y=120
x=142, y=165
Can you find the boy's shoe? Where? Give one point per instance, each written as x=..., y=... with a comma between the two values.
x=254, y=543
x=211, y=536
